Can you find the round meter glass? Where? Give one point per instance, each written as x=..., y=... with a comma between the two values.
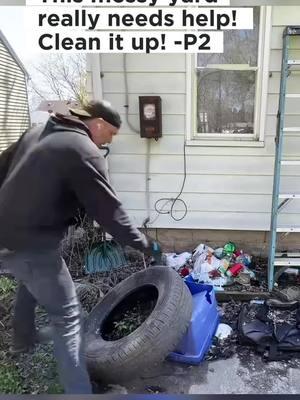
x=149, y=111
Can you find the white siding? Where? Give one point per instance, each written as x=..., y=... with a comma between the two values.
x=226, y=187
x=14, y=112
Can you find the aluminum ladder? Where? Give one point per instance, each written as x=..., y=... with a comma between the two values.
x=283, y=260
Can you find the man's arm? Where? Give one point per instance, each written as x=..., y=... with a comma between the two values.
x=89, y=182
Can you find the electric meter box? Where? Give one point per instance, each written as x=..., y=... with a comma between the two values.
x=150, y=117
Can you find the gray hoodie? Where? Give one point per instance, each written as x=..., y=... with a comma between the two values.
x=56, y=170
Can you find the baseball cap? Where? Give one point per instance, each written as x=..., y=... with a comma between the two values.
x=98, y=109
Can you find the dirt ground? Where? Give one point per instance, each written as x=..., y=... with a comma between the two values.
x=229, y=367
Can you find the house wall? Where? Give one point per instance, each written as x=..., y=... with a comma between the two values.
x=227, y=188
x=14, y=113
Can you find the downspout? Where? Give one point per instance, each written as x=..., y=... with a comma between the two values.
x=97, y=91
x=96, y=76
x=148, y=153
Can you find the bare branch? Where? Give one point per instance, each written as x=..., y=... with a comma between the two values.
x=61, y=77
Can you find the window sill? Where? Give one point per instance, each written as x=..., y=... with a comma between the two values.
x=225, y=143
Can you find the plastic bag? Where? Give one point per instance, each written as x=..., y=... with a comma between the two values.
x=177, y=261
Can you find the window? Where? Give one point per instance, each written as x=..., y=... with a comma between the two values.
x=229, y=86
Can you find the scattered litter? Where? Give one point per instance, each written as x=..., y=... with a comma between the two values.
x=220, y=311
x=223, y=331
x=243, y=279
x=201, y=249
x=217, y=283
x=155, y=389
x=235, y=270
x=224, y=265
x=222, y=349
x=289, y=294
x=176, y=261
x=255, y=301
x=282, y=316
x=184, y=272
x=207, y=265
x=229, y=249
x=218, y=252
x=244, y=259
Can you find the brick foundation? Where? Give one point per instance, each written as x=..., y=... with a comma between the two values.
x=254, y=242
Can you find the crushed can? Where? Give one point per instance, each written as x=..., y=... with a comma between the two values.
x=235, y=270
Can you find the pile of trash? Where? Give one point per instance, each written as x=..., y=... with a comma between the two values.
x=221, y=267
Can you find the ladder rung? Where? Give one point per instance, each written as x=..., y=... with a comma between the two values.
x=295, y=262
x=289, y=196
x=293, y=96
x=287, y=254
x=290, y=162
x=287, y=228
x=293, y=30
x=293, y=62
x=292, y=129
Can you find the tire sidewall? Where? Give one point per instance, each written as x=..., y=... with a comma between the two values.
x=162, y=278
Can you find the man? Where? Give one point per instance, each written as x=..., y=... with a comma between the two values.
x=52, y=171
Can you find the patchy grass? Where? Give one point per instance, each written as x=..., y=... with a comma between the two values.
x=39, y=371
x=7, y=287
x=34, y=373
x=30, y=373
x=10, y=380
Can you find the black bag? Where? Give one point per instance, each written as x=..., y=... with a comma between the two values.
x=275, y=341
x=6, y=158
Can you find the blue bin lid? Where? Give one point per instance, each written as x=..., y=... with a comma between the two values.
x=196, y=287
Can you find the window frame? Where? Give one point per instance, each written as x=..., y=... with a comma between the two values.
x=255, y=139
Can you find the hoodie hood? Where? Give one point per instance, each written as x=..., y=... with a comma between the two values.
x=60, y=122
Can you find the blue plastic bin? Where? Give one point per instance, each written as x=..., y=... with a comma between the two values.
x=203, y=325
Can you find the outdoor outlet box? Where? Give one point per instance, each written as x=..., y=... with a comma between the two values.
x=150, y=117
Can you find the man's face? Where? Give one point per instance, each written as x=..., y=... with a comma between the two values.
x=101, y=130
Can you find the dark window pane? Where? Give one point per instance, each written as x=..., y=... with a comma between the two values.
x=225, y=101
x=240, y=46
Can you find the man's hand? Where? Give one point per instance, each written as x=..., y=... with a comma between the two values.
x=155, y=251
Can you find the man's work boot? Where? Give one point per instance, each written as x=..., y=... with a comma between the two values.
x=43, y=335
x=18, y=349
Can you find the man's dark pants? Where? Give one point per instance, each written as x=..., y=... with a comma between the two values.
x=44, y=279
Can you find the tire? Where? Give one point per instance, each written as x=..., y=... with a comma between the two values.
x=153, y=340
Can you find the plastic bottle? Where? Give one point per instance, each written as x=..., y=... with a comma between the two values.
x=229, y=249
x=224, y=265
x=219, y=252
x=244, y=259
